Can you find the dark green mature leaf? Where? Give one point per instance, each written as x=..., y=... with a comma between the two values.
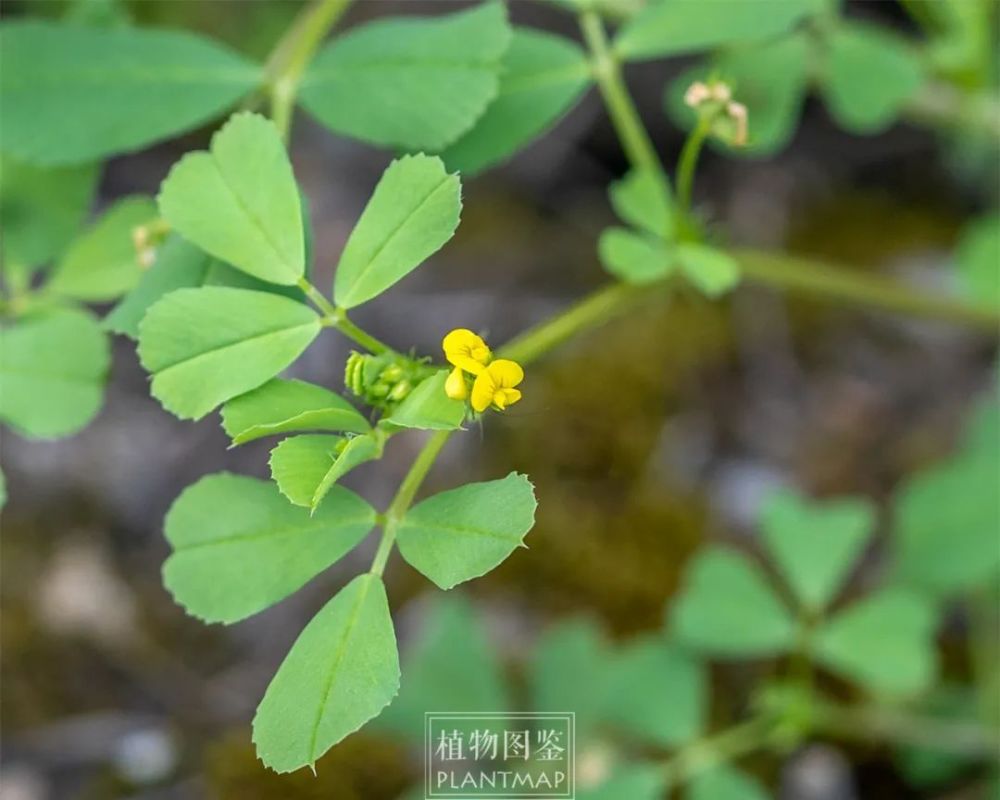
x=542, y=78
x=205, y=346
x=239, y=201
x=979, y=260
x=672, y=27
x=283, y=406
x=429, y=408
x=239, y=547
x=412, y=213
x=884, y=642
x=74, y=93
x=815, y=543
x=306, y=467
x=465, y=532
x=725, y=783
x=642, y=199
x=710, y=269
x=102, y=263
x=342, y=671
x=635, y=257
x=727, y=609
x=416, y=83
x=52, y=371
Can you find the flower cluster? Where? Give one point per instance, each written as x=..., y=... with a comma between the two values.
x=714, y=102
x=477, y=376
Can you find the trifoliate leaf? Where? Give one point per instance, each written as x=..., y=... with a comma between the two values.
x=713, y=271
x=542, y=77
x=884, y=642
x=429, y=408
x=283, y=406
x=979, y=260
x=103, y=263
x=642, y=198
x=412, y=213
x=239, y=547
x=239, y=201
x=634, y=257
x=727, y=609
x=205, y=346
x=342, y=671
x=815, y=544
x=725, y=783
x=465, y=532
x=52, y=370
x=417, y=83
x=306, y=467
x=76, y=93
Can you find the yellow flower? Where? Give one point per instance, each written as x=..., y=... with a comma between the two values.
x=466, y=350
x=455, y=386
x=495, y=385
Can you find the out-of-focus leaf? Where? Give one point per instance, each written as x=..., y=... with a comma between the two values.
x=926, y=767
x=634, y=257
x=979, y=260
x=634, y=781
x=710, y=269
x=725, y=783
x=642, y=198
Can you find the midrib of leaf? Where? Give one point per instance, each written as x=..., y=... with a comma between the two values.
x=294, y=419
x=314, y=526
x=465, y=530
x=109, y=79
x=337, y=70
x=324, y=485
x=539, y=80
x=82, y=380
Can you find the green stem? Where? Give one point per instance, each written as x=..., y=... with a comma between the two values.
x=689, y=160
x=726, y=746
x=336, y=317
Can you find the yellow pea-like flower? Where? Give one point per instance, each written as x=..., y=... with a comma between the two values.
x=495, y=385
x=454, y=385
x=466, y=350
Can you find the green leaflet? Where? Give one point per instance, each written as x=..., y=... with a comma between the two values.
x=342, y=671
x=978, y=260
x=239, y=547
x=52, y=371
x=725, y=783
x=102, y=263
x=305, y=467
x=815, y=544
x=415, y=83
x=884, y=642
x=465, y=532
x=205, y=346
x=711, y=270
x=542, y=78
x=412, y=213
x=642, y=199
x=727, y=609
x=635, y=781
x=429, y=408
x=239, y=201
x=75, y=93
x=636, y=258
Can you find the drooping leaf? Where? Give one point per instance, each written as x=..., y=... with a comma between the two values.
x=205, y=346
x=342, y=671
x=103, y=264
x=542, y=77
x=978, y=260
x=306, y=466
x=725, y=783
x=415, y=83
x=727, y=609
x=287, y=406
x=239, y=201
x=884, y=642
x=815, y=544
x=240, y=547
x=642, y=198
x=713, y=271
x=77, y=93
x=465, y=532
x=52, y=370
x=412, y=213
x=429, y=408
x=634, y=257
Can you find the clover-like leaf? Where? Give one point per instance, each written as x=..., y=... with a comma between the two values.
x=725, y=783
x=642, y=198
x=412, y=213
x=76, y=93
x=635, y=257
x=205, y=346
x=239, y=201
x=306, y=467
x=239, y=547
x=727, y=608
x=52, y=370
x=429, y=408
x=287, y=406
x=710, y=269
x=342, y=671
x=465, y=532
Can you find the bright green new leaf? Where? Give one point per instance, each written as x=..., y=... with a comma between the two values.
x=642, y=198
x=342, y=671
x=239, y=201
x=52, y=370
x=635, y=257
x=672, y=27
x=815, y=543
x=725, y=783
x=658, y=693
x=465, y=532
x=415, y=83
x=979, y=260
x=428, y=407
x=713, y=271
x=306, y=467
x=239, y=547
x=76, y=93
x=103, y=263
x=870, y=75
x=727, y=608
x=42, y=209
x=884, y=642
x=283, y=406
x=205, y=346
x=412, y=213
x=542, y=78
